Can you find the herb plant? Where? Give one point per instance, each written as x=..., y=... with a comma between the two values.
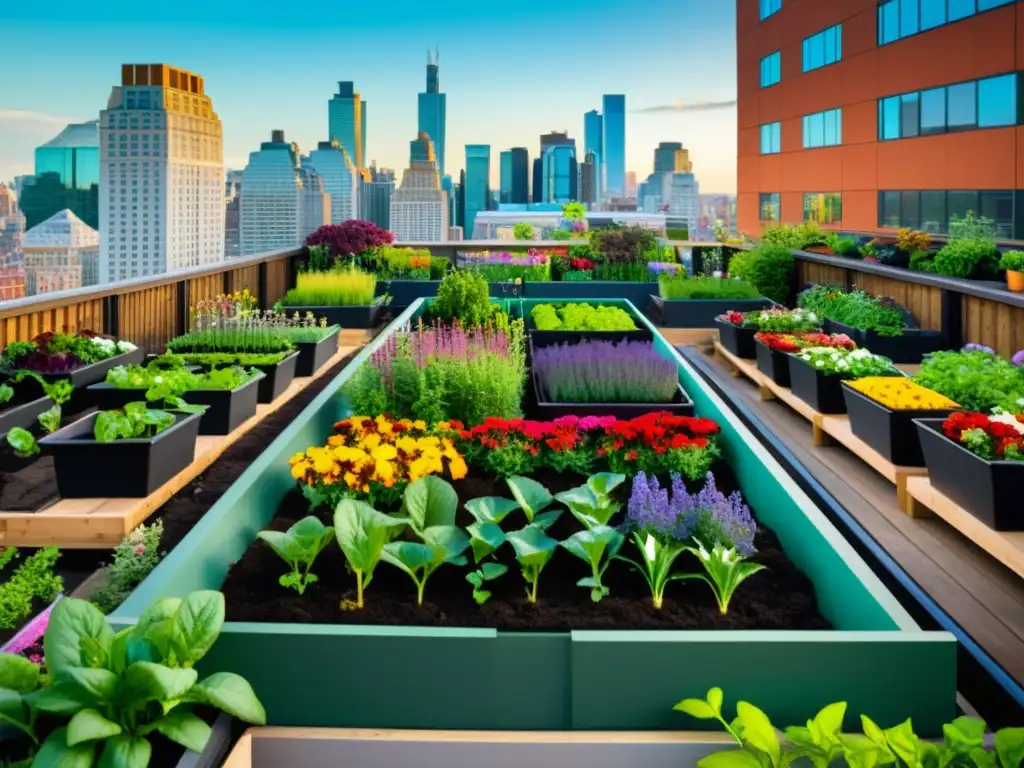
x=597, y=371
x=769, y=268
x=299, y=547
x=31, y=583
x=857, y=309
x=6, y=393
x=534, y=549
x=679, y=287
x=580, y=317
x=785, y=321
x=486, y=572
x=133, y=422
x=523, y=231
x=725, y=569
x=971, y=250
x=1012, y=261
x=134, y=558
x=597, y=546
x=362, y=533
x=349, y=287
x=976, y=379
x=463, y=296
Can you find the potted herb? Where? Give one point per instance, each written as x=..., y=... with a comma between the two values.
x=695, y=302
x=773, y=350
x=562, y=323
x=278, y=368
x=816, y=374
x=82, y=357
x=126, y=453
x=882, y=410
x=343, y=297
x=736, y=333
x=978, y=462
x=604, y=378
x=976, y=378
x=1013, y=263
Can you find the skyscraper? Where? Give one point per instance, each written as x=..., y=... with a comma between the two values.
x=478, y=183
x=333, y=164
x=161, y=175
x=282, y=201
x=346, y=123
x=614, y=145
x=375, y=191
x=419, y=207
x=60, y=254
x=515, y=175
x=593, y=141
x=67, y=175
x=665, y=156
x=590, y=170
x=560, y=174
x=432, y=107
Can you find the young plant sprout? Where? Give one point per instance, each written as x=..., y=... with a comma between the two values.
x=485, y=535
x=362, y=532
x=658, y=554
x=486, y=572
x=595, y=546
x=533, y=498
x=725, y=569
x=299, y=547
x=534, y=549
x=592, y=503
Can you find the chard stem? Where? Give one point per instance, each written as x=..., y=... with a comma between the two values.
x=359, y=588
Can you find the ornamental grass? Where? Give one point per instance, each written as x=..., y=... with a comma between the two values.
x=605, y=372
x=899, y=394
x=680, y=287
x=348, y=287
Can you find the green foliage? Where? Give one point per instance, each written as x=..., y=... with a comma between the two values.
x=134, y=558
x=505, y=273
x=533, y=549
x=6, y=393
x=625, y=245
x=222, y=359
x=486, y=572
x=133, y=422
x=724, y=570
x=971, y=251
x=975, y=380
x=592, y=503
x=23, y=442
x=346, y=287
x=523, y=231
x=769, y=268
x=299, y=547
x=318, y=258
x=580, y=317
x=488, y=512
x=922, y=261
x=596, y=546
x=574, y=211
x=680, y=287
x=622, y=272
x=856, y=309
x=50, y=418
x=162, y=383
x=847, y=364
x=793, y=237
x=1012, y=261
x=532, y=497
x=560, y=234
x=657, y=556
x=362, y=533
x=31, y=582
x=677, y=234
x=841, y=245
x=463, y=296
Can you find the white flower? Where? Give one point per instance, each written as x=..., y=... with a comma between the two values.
x=835, y=355
x=650, y=548
x=842, y=364
x=820, y=363
x=805, y=356
x=158, y=379
x=812, y=317
x=1010, y=419
x=126, y=346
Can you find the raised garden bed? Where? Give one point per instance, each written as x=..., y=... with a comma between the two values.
x=227, y=409
x=86, y=374
x=313, y=355
x=890, y=432
x=346, y=317
x=22, y=414
x=405, y=292
x=823, y=393
x=638, y=294
x=566, y=677
x=542, y=338
x=909, y=347
x=739, y=340
x=122, y=469
x=702, y=313
x=989, y=490
x=773, y=363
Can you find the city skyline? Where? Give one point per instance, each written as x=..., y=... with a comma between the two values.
x=527, y=103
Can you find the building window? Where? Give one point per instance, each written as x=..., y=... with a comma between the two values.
x=769, y=7
x=987, y=103
x=823, y=207
x=902, y=18
x=771, y=138
x=823, y=129
x=824, y=48
x=771, y=69
x=769, y=206
x=931, y=210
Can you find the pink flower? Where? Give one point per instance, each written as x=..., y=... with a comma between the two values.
x=139, y=549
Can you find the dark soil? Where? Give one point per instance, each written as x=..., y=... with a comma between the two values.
x=779, y=598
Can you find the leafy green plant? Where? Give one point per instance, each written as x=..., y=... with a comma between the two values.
x=592, y=503
x=658, y=555
x=464, y=296
x=534, y=549
x=976, y=379
x=133, y=422
x=31, y=582
x=580, y=317
x=680, y=287
x=769, y=268
x=533, y=498
x=6, y=393
x=971, y=250
x=134, y=558
x=597, y=546
x=856, y=309
x=162, y=383
x=223, y=359
x=574, y=211
x=119, y=689
x=841, y=245
x=362, y=533
x=50, y=418
x=23, y=442
x=299, y=547
x=486, y=572
x=485, y=535
x=523, y=231
x=922, y=261
x=1012, y=261
x=724, y=570
x=792, y=236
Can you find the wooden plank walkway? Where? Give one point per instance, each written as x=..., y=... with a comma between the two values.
x=975, y=589
x=103, y=523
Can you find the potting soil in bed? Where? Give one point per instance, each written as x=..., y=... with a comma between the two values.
x=780, y=597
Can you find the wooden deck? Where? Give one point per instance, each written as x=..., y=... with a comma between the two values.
x=982, y=594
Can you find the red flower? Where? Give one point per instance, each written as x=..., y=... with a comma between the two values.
x=733, y=318
x=780, y=342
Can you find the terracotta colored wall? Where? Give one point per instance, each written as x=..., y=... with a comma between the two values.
x=986, y=44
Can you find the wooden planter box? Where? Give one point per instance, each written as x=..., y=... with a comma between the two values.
x=314, y=355
x=737, y=339
x=772, y=363
x=87, y=469
x=891, y=433
x=347, y=317
x=22, y=415
x=701, y=313
x=823, y=393
x=989, y=490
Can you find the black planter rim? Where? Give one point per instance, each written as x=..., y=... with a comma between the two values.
x=925, y=413
x=683, y=401
x=55, y=438
x=106, y=385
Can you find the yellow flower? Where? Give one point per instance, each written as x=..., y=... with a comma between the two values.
x=300, y=456
x=350, y=480
x=457, y=467
x=419, y=424
x=383, y=469
x=370, y=442
x=336, y=440
x=384, y=426
x=300, y=468
x=406, y=444
x=901, y=394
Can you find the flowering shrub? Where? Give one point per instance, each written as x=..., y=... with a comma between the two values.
x=518, y=446
x=848, y=364
x=738, y=319
x=975, y=377
x=900, y=394
x=786, y=321
x=658, y=443
x=134, y=558
x=659, y=268
x=350, y=238
x=52, y=352
x=787, y=342
x=375, y=459
x=1000, y=436
x=605, y=372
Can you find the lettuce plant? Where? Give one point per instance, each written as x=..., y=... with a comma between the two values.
x=119, y=689
x=299, y=547
x=597, y=546
x=362, y=532
x=50, y=418
x=486, y=572
x=724, y=570
x=534, y=549
x=592, y=503
x=485, y=535
x=6, y=393
x=23, y=442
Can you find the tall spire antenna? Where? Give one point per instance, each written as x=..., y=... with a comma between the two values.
x=428, y=56
x=437, y=55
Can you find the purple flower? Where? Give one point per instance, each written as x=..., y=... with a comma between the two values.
x=978, y=348
x=1018, y=359
x=605, y=372
x=659, y=267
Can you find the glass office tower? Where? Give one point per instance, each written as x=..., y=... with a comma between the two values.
x=614, y=142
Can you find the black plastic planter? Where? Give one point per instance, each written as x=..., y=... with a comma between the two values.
x=136, y=468
x=86, y=375
x=737, y=339
x=313, y=355
x=22, y=414
x=701, y=313
x=989, y=490
x=365, y=316
x=276, y=378
x=823, y=393
x=910, y=347
x=772, y=363
x=228, y=408
x=889, y=432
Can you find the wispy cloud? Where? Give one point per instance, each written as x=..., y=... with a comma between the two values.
x=16, y=118
x=688, y=106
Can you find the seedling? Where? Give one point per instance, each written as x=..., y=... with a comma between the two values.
x=597, y=546
x=299, y=547
x=534, y=549
x=486, y=572
x=362, y=533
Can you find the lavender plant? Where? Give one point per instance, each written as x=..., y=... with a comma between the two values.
x=605, y=372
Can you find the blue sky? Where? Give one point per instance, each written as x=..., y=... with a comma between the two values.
x=511, y=70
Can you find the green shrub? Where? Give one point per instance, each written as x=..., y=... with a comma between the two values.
x=975, y=379
x=680, y=287
x=769, y=268
x=134, y=558
x=580, y=317
x=626, y=245
x=463, y=296
x=971, y=251
x=31, y=585
x=793, y=236
x=856, y=309
x=922, y=261
x=1012, y=261
x=523, y=231
x=677, y=234
x=349, y=287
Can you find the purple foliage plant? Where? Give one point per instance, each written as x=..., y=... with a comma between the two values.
x=596, y=371
x=350, y=238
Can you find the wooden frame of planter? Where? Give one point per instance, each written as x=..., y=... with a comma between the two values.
x=362, y=316
x=989, y=490
x=87, y=469
x=701, y=313
x=313, y=355
x=890, y=432
x=681, y=404
x=22, y=414
x=909, y=347
x=569, y=680
x=773, y=363
x=738, y=339
x=823, y=393
x=226, y=409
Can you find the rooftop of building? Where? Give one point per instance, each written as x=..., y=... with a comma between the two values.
x=77, y=135
x=63, y=229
